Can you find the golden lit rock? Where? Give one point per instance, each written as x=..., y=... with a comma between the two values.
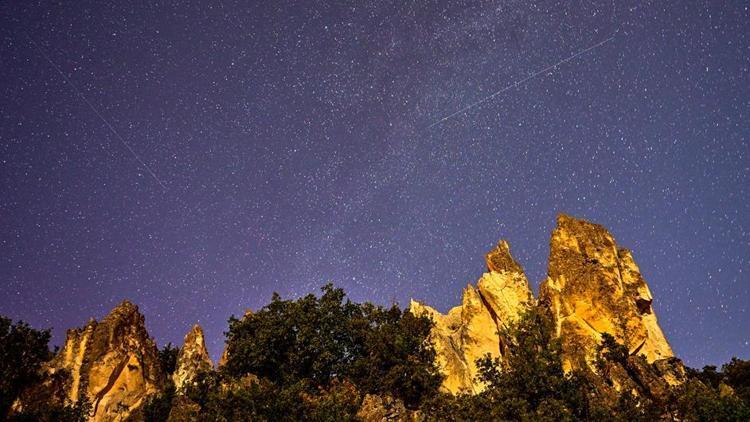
x=192, y=359
x=114, y=363
x=595, y=287
x=473, y=330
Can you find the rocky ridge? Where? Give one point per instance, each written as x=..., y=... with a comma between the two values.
x=593, y=287
x=113, y=364
x=473, y=329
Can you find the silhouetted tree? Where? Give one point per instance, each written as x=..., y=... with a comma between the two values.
x=168, y=358
x=22, y=352
x=312, y=341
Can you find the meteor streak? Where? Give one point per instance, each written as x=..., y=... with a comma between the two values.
x=91, y=106
x=522, y=81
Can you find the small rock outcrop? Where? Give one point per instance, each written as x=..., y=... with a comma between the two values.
x=114, y=364
x=594, y=287
x=192, y=359
x=471, y=330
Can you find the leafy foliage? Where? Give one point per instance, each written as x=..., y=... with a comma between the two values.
x=313, y=341
x=48, y=412
x=157, y=407
x=737, y=375
x=716, y=395
x=22, y=352
x=529, y=384
x=168, y=358
x=315, y=358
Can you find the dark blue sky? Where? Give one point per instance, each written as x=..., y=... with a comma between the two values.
x=194, y=157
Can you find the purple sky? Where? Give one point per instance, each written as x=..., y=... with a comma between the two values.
x=194, y=157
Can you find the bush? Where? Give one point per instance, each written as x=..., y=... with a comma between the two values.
x=313, y=341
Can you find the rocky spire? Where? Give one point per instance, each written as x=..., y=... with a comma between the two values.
x=595, y=287
x=471, y=330
x=114, y=363
x=192, y=359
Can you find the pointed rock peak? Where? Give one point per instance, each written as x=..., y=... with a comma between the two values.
x=500, y=259
x=194, y=341
x=192, y=359
x=565, y=220
x=126, y=306
x=126, y=313
x=595, y=287
x=580, y=229
x=195, y=332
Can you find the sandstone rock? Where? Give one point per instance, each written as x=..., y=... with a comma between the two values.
x=113, y=363
x=595, y=287
x=192, y=359
x=473, y=330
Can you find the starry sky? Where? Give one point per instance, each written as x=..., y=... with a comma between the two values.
x=196, y=156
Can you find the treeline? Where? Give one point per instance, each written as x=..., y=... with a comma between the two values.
x=325, y=358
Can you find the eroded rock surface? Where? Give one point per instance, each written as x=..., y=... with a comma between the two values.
x=593, y=286
x=192, y=359
x=113, y=363
x=472, y=330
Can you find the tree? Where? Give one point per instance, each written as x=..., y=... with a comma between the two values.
x=527, y=384
x=22, y=352
x=698, y=402
x=310, y=342
x=168, y=358
x=737, y=375
x=157, y=407
x=50, y=412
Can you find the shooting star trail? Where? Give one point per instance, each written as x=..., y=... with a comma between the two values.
x=91, y=106
x=522, y=81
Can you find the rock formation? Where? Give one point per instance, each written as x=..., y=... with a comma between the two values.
x=593, y=287
x=192, y=359
x=472, y=330
x=113, y=364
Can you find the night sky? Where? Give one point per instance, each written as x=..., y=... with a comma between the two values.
x=194, y=157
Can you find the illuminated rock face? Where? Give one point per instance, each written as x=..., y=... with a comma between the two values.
x=114, y=363
x=472, y=330
x=593, y=287
x=192, y=359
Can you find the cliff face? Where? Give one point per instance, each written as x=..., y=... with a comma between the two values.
x=114, y=363
x=192, y=359
x=471, y=330
x=593, y=287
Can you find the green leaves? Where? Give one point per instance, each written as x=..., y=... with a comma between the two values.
x=22, y=352
x=316, y=340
